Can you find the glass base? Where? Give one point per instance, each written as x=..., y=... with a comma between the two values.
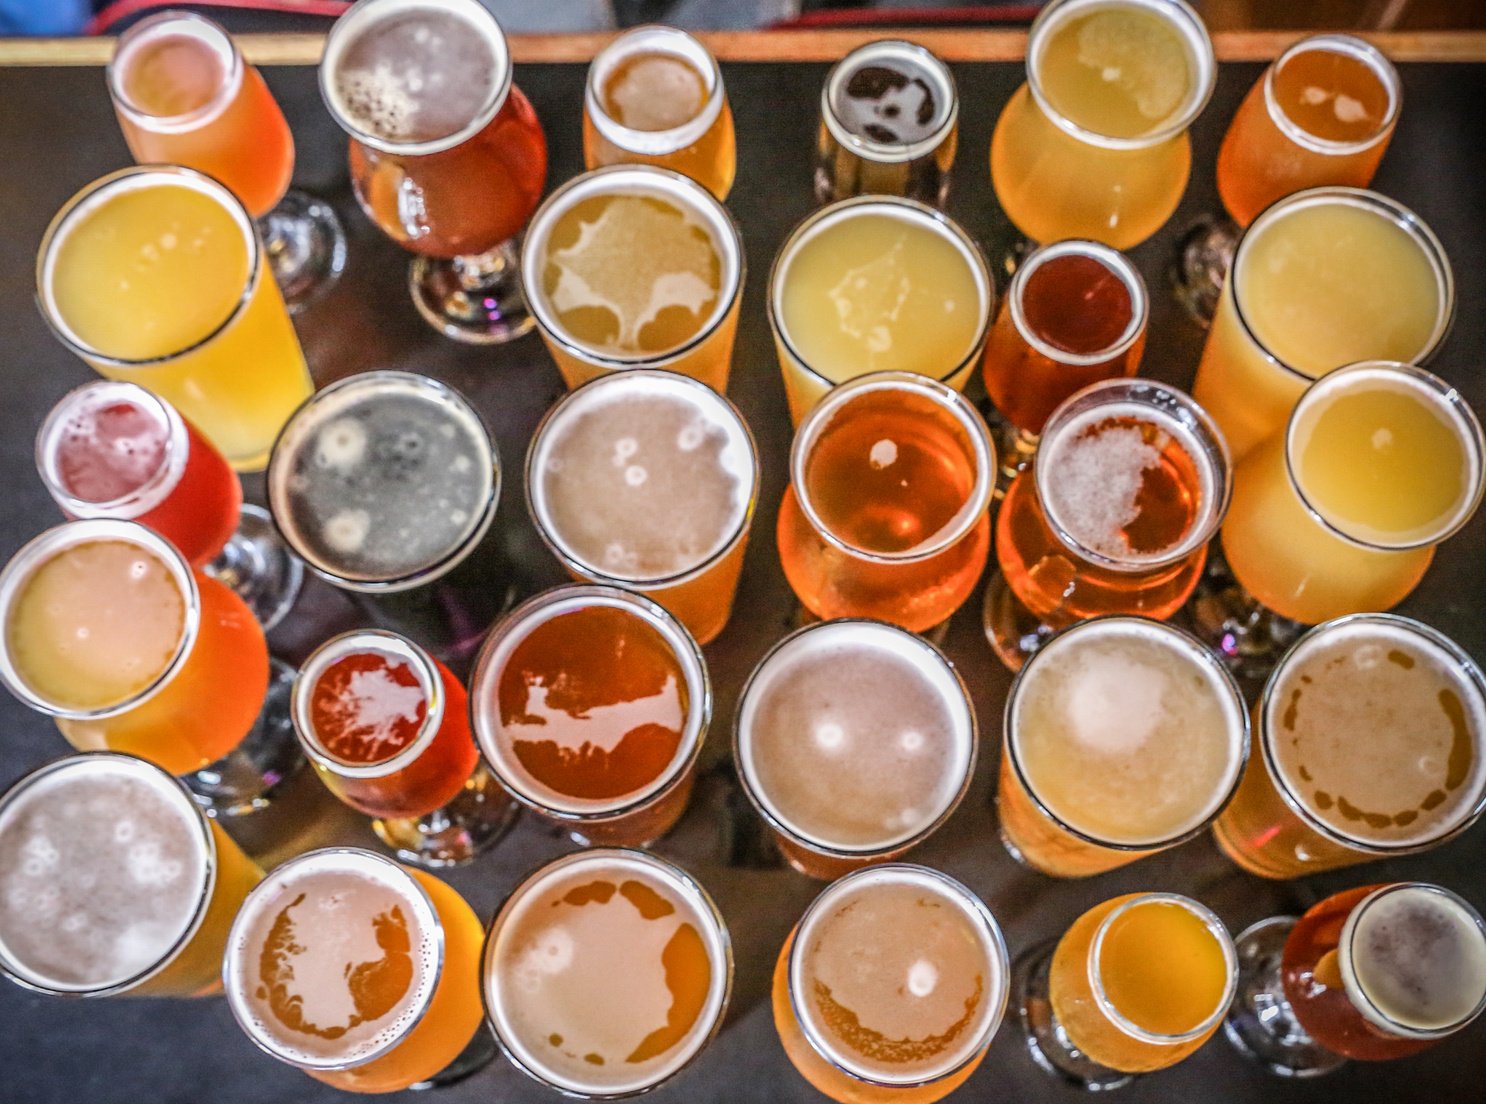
x=1249, y=637
x=480, y=1052
x=1203, y=258
x=1047, y=1040
x=247, y=778
x=305, y=246
x=1261, y=1023
x=476, y=299
x=1019, y=250
x=259, y=567
x=1015, y=449
x=475, y=821
x=1014, y=632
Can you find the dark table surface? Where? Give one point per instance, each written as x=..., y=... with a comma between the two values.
x=57, y=133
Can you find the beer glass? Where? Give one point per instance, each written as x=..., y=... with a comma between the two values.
x=1113, y=514
x=111, y=633
x=875, y=284
x=900, y=946
x=1136, y=984
x=1369, y=974
x=886, y=512
x=387, y=727
x=1322, y=113
x=889, y=125
x=112, y=449
x=1370, y=738
x=605, y=973
x=855, y=741
x=447, y=156
x=113, y=882
x=362, y=973
x=116, y=290
x=591, y=704
x=654, y=96
x=647, y=480
x=631, y=267
x=184, y=95
x=1078, y=153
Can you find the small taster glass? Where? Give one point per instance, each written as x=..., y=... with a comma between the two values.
x=655, y=97
x=184, y=95
x=447, y=157
x=591, y=704
x=387, y=727
x=1371, y=974
x=855, y=741
x=889, y=125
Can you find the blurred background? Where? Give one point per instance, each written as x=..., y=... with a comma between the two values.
x=72, y=17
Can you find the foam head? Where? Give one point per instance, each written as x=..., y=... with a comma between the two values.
x=174, y=72
x=106, y=869
x=333, y=959
x=634, y=98
x=891, y=100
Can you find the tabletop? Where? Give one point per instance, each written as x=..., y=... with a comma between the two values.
x=57, y=133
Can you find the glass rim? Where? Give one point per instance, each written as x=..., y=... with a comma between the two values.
x=933, y=219
x=1118, y=1019
x=716, y=937
x=1450, y=399
x=869, y=149
x=416, y=577
x=96, y=194
x=183, y=121
x=1461, y=661
x=44, y=547
x=175, y=791
x=148, y=495
x=972, y=906
x=418, y=901
x=982, y=449
x=631, y=180
x=550, y=424
x=774, y=819
x=1189, y=26
x=1211, y=455
x=1357, y=993
x=480, y=18
x=1225, y=686
x=662, y=39
x=355, y=642
x=515, y=627
x=1113, y=261
x=1377, y=204
x=1335, y=43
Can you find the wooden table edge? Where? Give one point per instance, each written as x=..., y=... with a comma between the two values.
x=954, y=45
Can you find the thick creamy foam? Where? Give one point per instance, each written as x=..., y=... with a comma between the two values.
x=333, y=958
x=1126, y=732
x=642, y=477
x=1105, y=471
x=605, y=972
x=111, y=449
x=1378, y=732
x=1417, y=956
x=855, y=736
x=897, y=973
x=382, y=478
x=104, y=866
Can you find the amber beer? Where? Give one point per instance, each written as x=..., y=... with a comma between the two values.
x=114, y=882
x=591, y=704
x=889, y=125
x=1114, y=514
x=360, y=972
x=855, y=740
x=655, y=97
x=891, y=987
x=606, y=973
x=886, y=512
x=1371, y=743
